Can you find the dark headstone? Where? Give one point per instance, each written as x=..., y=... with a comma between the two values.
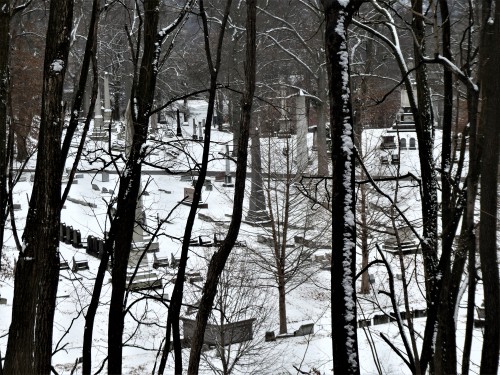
x=90, y=245
x=62, y=231
x=380, y=319
x=269, y=336
x=77, y=238
x=364, y=323
x=68, y=235
x=100, y=248
x=371, y=279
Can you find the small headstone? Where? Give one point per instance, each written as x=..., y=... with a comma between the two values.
x=79, y=264
x=364, y=323
x=77, y=239
x=100, y=248
x=195, y=279
x=90, y=245
x=104, y=190
x=32, y=177
x=305, y=329
x=16, y=206
x=174, y=262
x=68, y=235
x=195, y=136
x=269, y=336
x=95, y=187
x=105, y=176
x=62, y=230
x=380, y=319
x=63, y=265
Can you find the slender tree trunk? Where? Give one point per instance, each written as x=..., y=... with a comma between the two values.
x=469, y=236
x=424, y=123
x=29, y=348
x=321, y=130
x=445, y=360
x=344, y=320
x=91, y=313
x=490, y=113
x=282, y=300
x=219, y=259
x=365, y=281
x=125, y=218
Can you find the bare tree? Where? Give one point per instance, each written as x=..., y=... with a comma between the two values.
x=338, y=15
x=219, y=259
x=488, y=250
x=29, y=348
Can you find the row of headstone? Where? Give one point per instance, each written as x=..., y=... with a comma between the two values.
x=304, y=330
x=70, y=236
x=384, y=318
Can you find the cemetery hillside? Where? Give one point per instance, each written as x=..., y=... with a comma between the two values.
x=249, y=187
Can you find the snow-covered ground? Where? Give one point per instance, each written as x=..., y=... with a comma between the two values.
x=145, y=320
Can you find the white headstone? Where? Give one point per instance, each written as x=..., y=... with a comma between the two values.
x=107, y=99
x=98, y=119
x=301, y=124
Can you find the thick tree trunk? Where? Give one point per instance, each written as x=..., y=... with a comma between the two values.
x=344, y=319
x=29, y=349
x=4, y=125
x=488, y=250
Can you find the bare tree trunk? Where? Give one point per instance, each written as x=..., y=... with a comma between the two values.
x=282, y=300
x=365, y=281
x=219, y=259
x=321, y=130
x=29, y=349
x=344, y=319
x=490, y=113
x=123, y=224
x=4, y=125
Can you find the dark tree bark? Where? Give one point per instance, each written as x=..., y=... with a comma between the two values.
x=490, y=113
x=6, y=15
x=344, y=323
x=4, y=126
x=424, y=124
x=178, y=292
x=124, y=221
x=220, y=257
x=445, y=360
x=29, y=349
